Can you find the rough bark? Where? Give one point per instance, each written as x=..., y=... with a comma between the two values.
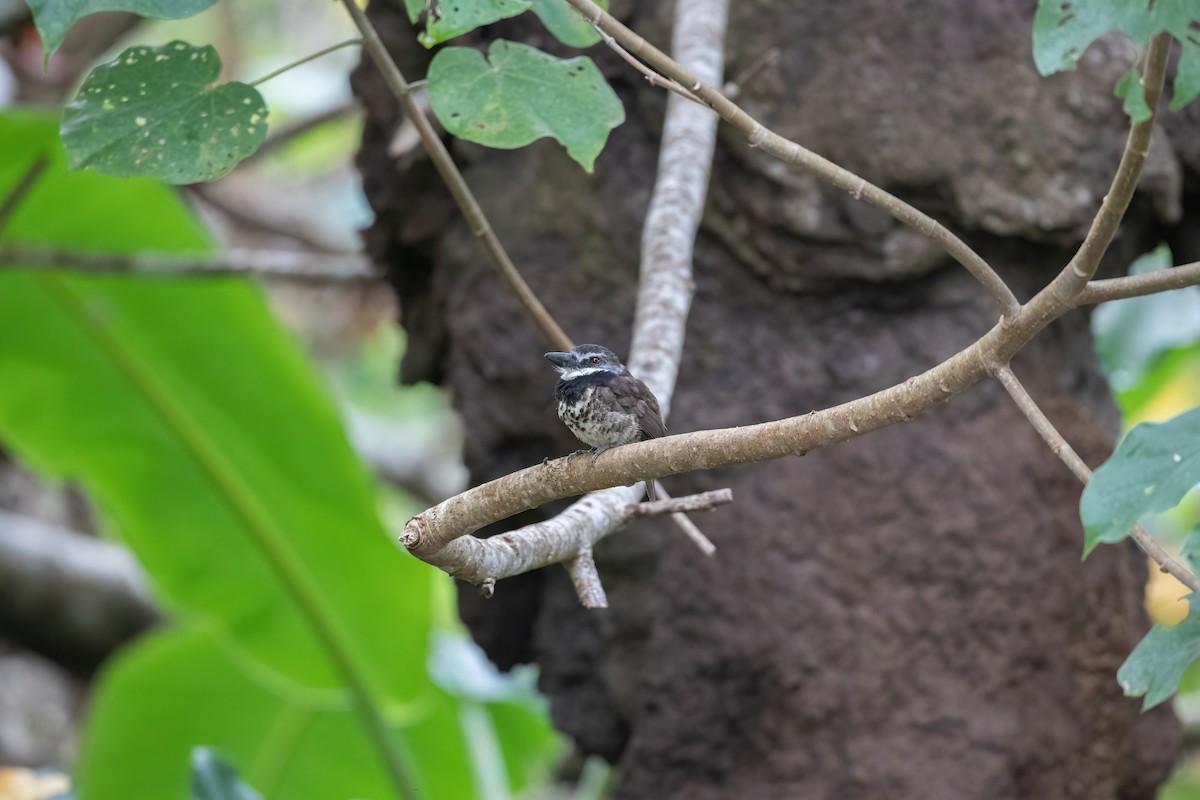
x=901, y=616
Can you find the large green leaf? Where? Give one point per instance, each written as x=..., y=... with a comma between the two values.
x=210, y=447
x=1157, y=664
x=1063, y=29
x=1154, y=466
x=520, y=94
x=157, y=111
x=566, y=23
x=55, y=17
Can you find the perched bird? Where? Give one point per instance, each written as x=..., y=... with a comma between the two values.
x=602, y=404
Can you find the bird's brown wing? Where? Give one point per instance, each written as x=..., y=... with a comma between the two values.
x=635, y=397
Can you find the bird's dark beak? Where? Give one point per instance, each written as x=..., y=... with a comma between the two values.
x=560, y=360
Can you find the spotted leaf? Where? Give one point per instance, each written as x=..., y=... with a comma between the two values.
x=158, y=111
x=1155, y=465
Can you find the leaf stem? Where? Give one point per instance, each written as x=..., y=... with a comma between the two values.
x=17, y=194
x=467, y=204
x=305, y=60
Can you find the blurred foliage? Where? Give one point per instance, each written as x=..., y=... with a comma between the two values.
x=201, y=433
x=1150, y=350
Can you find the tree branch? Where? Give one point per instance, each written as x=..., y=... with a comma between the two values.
x=1059, y=446
x=298, y=265
x=793, y=153
x=1163, y=280
x=1082, y=267
x=440, y=156
x=705, y=501
x=16, y=195
x=664, y=299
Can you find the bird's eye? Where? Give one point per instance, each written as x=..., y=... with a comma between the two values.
x=595, y=359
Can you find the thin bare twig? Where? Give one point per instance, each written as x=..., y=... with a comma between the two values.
x=440, y=156
x=20, y=190
x=689, y=528
x=694, y=533
x=298, y=265
x=1163, y=280
x=793, y=153
x=1045, y=428
x=1059, y=446
x=588, y=587
x=652, y=77
x=704, y=501
x=1083, y=266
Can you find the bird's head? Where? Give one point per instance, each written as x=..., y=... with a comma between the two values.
x=585, y=360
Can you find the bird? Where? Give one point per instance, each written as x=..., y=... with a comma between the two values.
x=602, y=403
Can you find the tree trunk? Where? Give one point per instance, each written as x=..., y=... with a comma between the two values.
x=901, y=616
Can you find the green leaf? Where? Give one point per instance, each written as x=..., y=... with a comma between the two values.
x=450, y=18
x=198, y=426
x=156, y=111
x=566, y=23
x=1133, y=334
x=1129, y=89
x=1154, y=466
x=1157, y=664
x=1191, y=547
x=55, y=17
x=182, y=688
x=209, y=446
x=1063, y=30
x=520, y=94
x=416, y=8
x=214, y=778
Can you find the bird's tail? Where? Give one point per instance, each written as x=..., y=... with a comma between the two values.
x=651, y=495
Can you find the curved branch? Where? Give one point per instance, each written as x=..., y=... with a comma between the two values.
x=440, y=156
x=791, y=152
x=1059, y=446
x=1163, y=280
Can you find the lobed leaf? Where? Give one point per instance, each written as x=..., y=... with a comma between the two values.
x=566, y=23
x=55, y=17
x=1157, y=665
x=1063, y=30
x=446, y=19
x=157, y=111
x=520, y=94
x=1154, y=466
